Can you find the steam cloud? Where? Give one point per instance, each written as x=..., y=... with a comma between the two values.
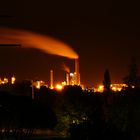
x=65, y=68
x=32, y=40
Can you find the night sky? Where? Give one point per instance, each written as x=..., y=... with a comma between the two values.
x=105, y=34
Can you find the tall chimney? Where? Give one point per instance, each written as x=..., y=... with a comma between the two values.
x=67, y=78
x=77, y=72
x=51, y=79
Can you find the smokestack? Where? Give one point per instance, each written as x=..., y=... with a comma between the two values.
x=67, y=78
x=77, y=79
x=51, y=79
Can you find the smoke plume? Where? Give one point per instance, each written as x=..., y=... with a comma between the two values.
x=32, y=40
x=65, y=68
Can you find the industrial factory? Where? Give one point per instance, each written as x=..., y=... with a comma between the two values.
x=5, y=80
x=47, y=45
x=71, y=78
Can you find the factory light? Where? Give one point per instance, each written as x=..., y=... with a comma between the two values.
x=38, y=85
x=64, y=83
x=100, y=88
x=5, y=80
x=13, y=79
x=59, y=87
x=71, y=74
x=114, y=87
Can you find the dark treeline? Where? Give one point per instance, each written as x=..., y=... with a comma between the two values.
x=72, y=112
x=110, y=115
x=90, y=115
x=20, y=116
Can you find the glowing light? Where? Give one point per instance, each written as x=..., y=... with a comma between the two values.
x=114, y=87
x=38, y=84
x=13, y=79
x=51, y=87
x=72, y=82
x=100, y=88
x=5, y=80
x=2, y=82
x=64, y=83
x=59, y=87
x=71, y=74
x=117, y=87
x=73, y=78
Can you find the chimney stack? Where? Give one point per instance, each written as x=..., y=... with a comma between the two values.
x=51, y=79
x=77, y=79
x=67, y=79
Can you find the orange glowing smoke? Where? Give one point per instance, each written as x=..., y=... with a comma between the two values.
x=32, y=40
x=65, y=68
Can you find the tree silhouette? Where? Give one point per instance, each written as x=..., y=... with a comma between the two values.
x=132, y=80
x=106, y=81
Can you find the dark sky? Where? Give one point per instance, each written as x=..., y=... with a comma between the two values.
x=105, y=34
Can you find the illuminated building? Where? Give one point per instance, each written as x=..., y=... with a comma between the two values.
x=64, y=83
x=100, y=88
x=114, y=87
x=38, y=84
x=118, y=87
x=59, y=87
x=72, y=78
x=5, y=80
x=13, y=79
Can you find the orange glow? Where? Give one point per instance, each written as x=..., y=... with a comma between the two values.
x=71, y=74
x=51, y=87
x=114, y=87
x=51, y=79
x=100, y=88
x=38, y=85
x=37, y=41
x=13, y=79
x=5, y=80
x=59, y=87
x=64, y=83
